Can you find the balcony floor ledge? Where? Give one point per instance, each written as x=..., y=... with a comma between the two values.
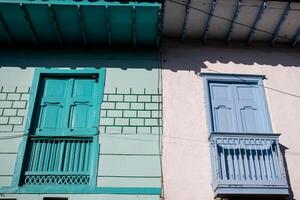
x=237, y=191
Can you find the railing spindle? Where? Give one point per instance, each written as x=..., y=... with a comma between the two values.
x=31, y=161
x=235, y=161
x=77, y=155
x=72, y=154
x=264, y=174
x=46, y=162
x=247, y=161
x=216, y=160
x=67, y=156
x=250, y=160
x=51, y=164
x=241, y=160
x=267, y=160
x=40, y=161
x=272, y=160
x=282, y=173
x=87, y=157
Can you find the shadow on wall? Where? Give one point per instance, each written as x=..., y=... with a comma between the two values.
x=73, y=58
x=283, y=150
x=190, y=56
x=193, y=56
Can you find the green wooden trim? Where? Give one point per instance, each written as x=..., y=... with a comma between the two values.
x=101, y=84
x=143, y=177
x=81, y=190
x=32, y=99
x=57, y=173
x=84, y=3
x=22, y=148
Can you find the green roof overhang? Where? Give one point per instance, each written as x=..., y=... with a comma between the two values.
x=79, y=23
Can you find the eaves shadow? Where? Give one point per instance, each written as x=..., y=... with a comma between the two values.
x=192, y=56
x=76, y=58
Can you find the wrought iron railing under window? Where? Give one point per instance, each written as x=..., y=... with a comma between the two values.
x=58, y=161
x=247, y=161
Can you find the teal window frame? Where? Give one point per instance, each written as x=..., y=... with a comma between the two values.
x=101, y=73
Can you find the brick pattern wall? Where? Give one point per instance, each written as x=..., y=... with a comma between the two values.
x=13, y=108
x=131, y=111
x=122, y=111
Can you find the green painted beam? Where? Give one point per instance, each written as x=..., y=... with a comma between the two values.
x=79, y=23
x=83, y=2
x=5, y=34
x=82, y=25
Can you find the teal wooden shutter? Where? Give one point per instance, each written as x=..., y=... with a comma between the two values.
x=237, y=108
x=67, y=106
x=81, y=118
x=52, y=102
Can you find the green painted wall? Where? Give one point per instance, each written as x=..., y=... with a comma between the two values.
x=130, y=129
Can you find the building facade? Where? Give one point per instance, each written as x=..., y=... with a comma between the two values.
x=142, y=100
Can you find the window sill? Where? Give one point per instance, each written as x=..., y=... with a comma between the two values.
x=228, y=190
x=80, y=190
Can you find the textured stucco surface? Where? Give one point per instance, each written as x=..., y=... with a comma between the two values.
x=186, y=164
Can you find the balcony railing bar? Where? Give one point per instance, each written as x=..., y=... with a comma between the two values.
x=58, y=160
x=247, y=160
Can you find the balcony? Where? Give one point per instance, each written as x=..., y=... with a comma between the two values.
x=247, y=164
x=79, y=23
x=58, y=161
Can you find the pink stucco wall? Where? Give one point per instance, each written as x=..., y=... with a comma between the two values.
x=186, y=162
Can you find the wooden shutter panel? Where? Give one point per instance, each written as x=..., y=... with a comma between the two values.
x=249, y=109
x=52, y=106
x=223, y=109
x=237, y=108
x=82, y=113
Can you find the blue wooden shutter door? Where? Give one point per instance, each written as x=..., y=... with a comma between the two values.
x=248, y=107
x=223, y=108
x=237, y=108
